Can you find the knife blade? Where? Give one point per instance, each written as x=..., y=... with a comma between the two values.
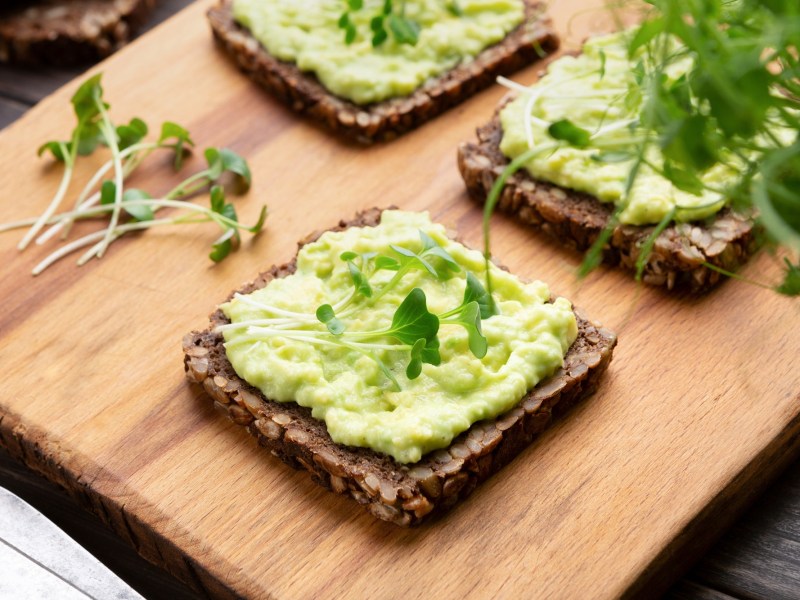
x=38, y=560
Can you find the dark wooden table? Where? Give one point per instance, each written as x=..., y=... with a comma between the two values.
x=759, y=557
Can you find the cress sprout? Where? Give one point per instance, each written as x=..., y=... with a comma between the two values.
x=414, y=329
x=112, y=199
x=741, y=87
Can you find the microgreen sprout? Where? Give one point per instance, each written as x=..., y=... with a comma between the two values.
x=143, y=208
x=111, y=198
x=388, y=20
x=84, y=139
x=735, y=90
x=414, y=329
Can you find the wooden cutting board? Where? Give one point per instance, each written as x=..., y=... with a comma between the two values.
x=699, y=409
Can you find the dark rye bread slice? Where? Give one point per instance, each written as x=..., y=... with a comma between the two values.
x=382, y=121
x=402, y=494
x=576, y=219
x=68, y=32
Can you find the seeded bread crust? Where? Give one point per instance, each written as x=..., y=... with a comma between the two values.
x=68, y=32
x=382, y=121
x=402, y=494
x=576, y=220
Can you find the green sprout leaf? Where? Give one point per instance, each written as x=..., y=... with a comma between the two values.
x=412, y=259
x=386, y=263
x=89, y=138
x=259, y=225
x=350, y=33
x=470, y=319
x=412, y=320
x=645, y=34
x=691, y=141
x=223, y=246
x=454, y=9
x=791, y=280
x=567, y=131
x=218, y=204
x=683, y=179
x=414, y=367
x=59, y=150
x=230, y=238
x=404, y=30
x=475, y=292
x=132, y=133
x=108, y=191
x=172, y=131
x=224, y=160
x=430, y=353
x=327, y=317
x=217, y=199
x=86, y=99
x=432, y=248
x=379, y=33
x=360, y=281
x=603, y=60
x=140, y=213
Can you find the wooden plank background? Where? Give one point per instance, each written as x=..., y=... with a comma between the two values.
x=124, y=435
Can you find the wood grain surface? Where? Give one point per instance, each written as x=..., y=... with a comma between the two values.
x=700, y=407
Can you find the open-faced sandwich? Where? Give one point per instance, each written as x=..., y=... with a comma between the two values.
x=378, y=361
x=373, y=69
x=589, y=165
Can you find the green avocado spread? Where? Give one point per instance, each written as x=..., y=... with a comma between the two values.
x=346, y=388
x=306, y=32
x=574, y=89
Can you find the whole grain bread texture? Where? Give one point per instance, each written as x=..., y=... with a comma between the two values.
x=576, y=220
x=68, y=32
x=402, y=494
x=382, y=121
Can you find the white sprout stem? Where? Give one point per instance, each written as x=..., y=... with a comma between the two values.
x=593, y=95
x=156, y=204
x=111, y=138
x=178, y=190
x=82, y=202
x=614, y=127
x=271, y=323
x=85, y=211
x=535, y=94
x=302, y=333
x=513, y=85
x=93, y=237
x=529, y=118
x=107, y=166
x=312, y=339
x=91, y=252
x=291, y=319
x=273, y=309
x=345, y=301
x=23, y=223
x=54, y=203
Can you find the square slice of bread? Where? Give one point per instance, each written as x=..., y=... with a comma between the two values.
x=576, y=220
x=405, y=494
x=382, y=121
x=68, y=32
